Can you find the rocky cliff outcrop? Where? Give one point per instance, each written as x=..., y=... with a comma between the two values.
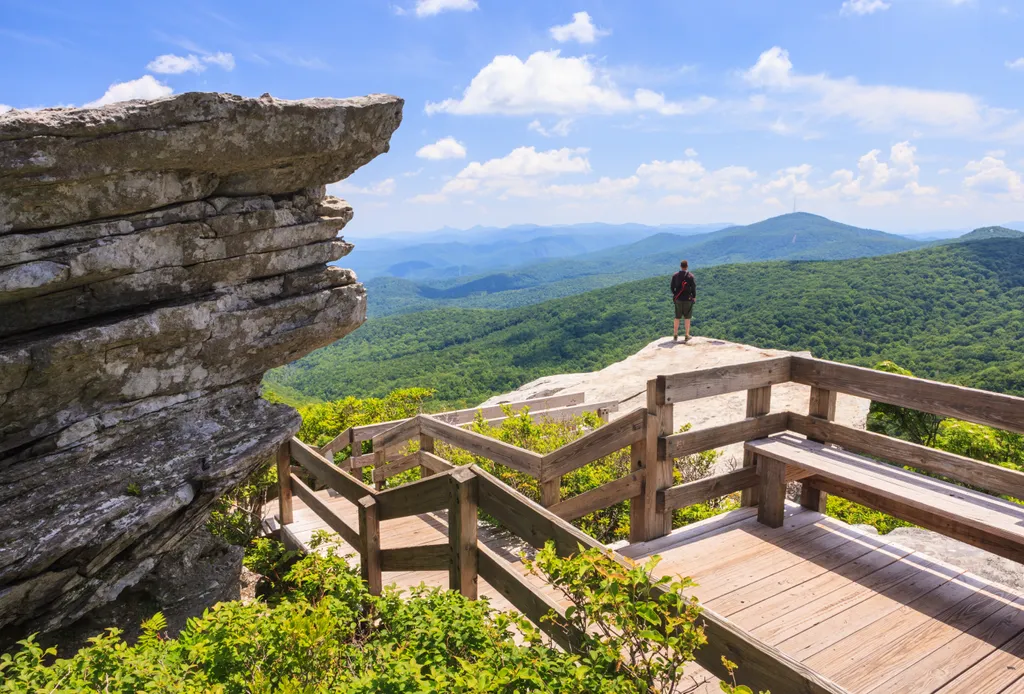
x=155, y=259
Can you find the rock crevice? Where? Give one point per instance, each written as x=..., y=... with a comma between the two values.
x=156, y=258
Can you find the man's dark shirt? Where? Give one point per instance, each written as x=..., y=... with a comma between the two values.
x=684, y=286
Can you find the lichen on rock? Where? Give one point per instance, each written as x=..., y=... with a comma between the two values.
x=156, y=258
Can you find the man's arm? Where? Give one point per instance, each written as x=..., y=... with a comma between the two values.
x=693, y=281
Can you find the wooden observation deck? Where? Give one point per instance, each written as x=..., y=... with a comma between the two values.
x=802, y=602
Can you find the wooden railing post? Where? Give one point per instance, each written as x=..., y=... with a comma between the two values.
x=759, y=402
x=822, y=406
x=426, y=446
x=462, y=532
x=284, y=483
x=638, y=504
x=659, y=463
x=550, y=492
x=369, y=541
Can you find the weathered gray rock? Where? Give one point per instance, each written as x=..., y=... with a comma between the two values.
x=61, y=166
x=156, y=258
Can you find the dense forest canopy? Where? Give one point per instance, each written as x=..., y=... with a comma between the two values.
x=953, y=312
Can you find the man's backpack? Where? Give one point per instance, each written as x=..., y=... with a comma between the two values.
x=684, y=282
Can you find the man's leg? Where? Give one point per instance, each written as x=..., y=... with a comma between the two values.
x=675, y=327
x=687, y=328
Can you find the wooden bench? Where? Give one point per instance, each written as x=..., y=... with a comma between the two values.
x=973, y=517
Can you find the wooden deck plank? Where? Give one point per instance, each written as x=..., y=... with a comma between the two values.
x=880, y=664
x=793, y=604
x=856, y=546
x=994, y=673
x=959, y=655
x=927, y=578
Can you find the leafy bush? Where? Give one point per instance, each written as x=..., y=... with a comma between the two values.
x=237, y=517
x=329, y=635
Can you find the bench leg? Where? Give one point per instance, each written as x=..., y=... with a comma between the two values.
x=771, y=509
x=812, y=498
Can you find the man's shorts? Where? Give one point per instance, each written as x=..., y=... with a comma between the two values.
x=684, y=309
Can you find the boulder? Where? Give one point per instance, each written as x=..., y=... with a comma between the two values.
x=156, y=258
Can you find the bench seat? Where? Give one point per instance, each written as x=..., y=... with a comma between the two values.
x=973, y=517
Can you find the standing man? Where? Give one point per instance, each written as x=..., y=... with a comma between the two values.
x=684, y=295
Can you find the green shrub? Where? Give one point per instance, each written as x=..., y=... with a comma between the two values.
x=329, y=635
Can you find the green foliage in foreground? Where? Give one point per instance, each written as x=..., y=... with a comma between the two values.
x=953, y=312
x=329, y=635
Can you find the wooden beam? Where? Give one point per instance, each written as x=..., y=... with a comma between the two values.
x=637, y=512
x=978, y=406
x=561, y=414
x=394, y=468
x=821, y=406
x=434, y=463
x=342, y=440
x=659, y=475
x=550, y=492
x=771, y=508
x=598, y=443
x=534, y=604
x=327, y=473
x=524, y=461
x=993, y=478
x=411, y=499
x=726, y=379
x=608, y=494
x=369, y=546
x=710, y=438
x=419, y=558
x=409, y=429
x=462, y=532
x=929, y=519
x=699, y=491
x=284, y=485
x=426, y=446
x=325, y=512
x=759, y=664
x=552, y=402
x=759, y=403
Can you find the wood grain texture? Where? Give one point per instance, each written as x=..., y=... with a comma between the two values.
x=996, y=479
x=396, y=467
x=978, y=406
x=608, y=494
x=598, y=443
x=524, y=461
x=327, y=473
x=699, y=491
x=462, y=532
x=772, y=503
x=325, y=512
x=417, y=558
x=400, y=433
x=338, y=443
x=726, y=379
x=411, y=499
x=660, y=424
x=284, y=486
x=369, y=544
x=433, y=463
x=637, y=504
x=710, y=438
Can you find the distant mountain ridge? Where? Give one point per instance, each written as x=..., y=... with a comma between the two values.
x=996, y=232
x=797, y=236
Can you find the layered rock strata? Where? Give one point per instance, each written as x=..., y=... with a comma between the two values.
x=156, y=258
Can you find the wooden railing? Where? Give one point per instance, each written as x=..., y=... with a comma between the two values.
x=649, y=433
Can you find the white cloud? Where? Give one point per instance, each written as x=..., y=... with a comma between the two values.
x=863, y=6
x=690, y=152
x=380, y=188
x=224, y=60
x=690, y=182
x=146, y=87
x=1017, y=64
x=170, y=64
x=992, y=175
x=445, y=148
x=429, y=198
x=559, y=129
x=873, y=107
x=580, y=29
x=428, y=8
x=549, y=83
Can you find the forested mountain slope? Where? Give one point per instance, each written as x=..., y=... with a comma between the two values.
x=799, y=236
x=954, y=312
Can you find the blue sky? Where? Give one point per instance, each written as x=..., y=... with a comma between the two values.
x=894, y=114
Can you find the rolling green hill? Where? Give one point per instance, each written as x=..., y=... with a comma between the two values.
x=798, y=236
x=990, y=233
x=954, y=312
